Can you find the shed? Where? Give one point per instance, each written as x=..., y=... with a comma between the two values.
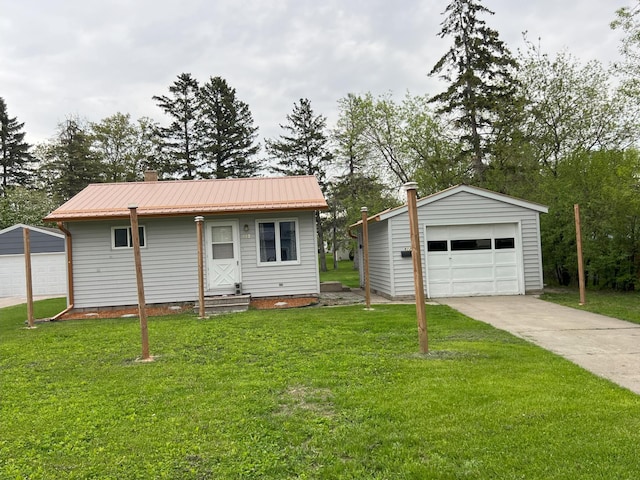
x=474, y=242
x=259, y=239
x=48, y=261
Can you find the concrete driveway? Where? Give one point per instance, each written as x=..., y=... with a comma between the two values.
x=11, y=301
x=605, y=346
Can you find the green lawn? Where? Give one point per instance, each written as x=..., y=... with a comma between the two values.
x=303, y=394
x=622, y=305
x=344, y=274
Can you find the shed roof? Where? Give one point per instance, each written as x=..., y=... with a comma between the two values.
x=482, y=192
x=192, y=197
x=54, y=232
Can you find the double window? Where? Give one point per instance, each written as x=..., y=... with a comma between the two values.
x=277, y=241
x=121, y=237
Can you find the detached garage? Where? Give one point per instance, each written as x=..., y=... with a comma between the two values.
x=474, y=242
x=48, y=261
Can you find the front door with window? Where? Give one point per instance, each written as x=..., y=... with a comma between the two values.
x=223, y=259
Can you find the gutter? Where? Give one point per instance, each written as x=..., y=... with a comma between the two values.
x=69, y=248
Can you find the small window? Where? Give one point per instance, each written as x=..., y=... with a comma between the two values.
x=121, y=237
x=437, y=246
x=472, y=244
x=278, y=241
x=502, y=243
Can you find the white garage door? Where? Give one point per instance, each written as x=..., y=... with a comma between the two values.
x=49, y=275
x=466, y=260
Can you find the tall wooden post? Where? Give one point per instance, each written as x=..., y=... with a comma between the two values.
x=416, y=255
x=142, y=309
x=576, y=211
x=199, y=224
x=365, y=251
x=27, y=274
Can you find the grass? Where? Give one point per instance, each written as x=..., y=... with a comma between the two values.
x=307, y=394
x=622, y=305
x=344, y=274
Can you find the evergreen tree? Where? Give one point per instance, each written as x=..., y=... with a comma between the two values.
x=180, y=138
x=68, y=163
x=14, y=151
x=226, y=131
x=304, y=150
x=479, y=69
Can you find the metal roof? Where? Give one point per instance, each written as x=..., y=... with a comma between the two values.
x=192, y=197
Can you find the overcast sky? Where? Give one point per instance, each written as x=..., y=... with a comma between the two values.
x=96, y=58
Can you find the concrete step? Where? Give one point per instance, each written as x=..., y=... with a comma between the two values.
x=216, y=305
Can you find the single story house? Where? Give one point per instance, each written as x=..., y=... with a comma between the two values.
x=259, y=238
x=473, y=242
x=48, y=261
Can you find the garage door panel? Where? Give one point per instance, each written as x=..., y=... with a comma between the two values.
x=49, y=275
x=476, y=264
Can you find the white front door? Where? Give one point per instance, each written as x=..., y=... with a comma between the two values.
x=223, y=256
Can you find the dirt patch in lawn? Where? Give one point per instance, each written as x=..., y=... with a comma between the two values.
x=125, y=312
x=275, y=303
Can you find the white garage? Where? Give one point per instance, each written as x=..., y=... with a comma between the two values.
x=48, y=262
x=474, y=242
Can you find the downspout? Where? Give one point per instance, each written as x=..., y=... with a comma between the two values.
x=69, y=248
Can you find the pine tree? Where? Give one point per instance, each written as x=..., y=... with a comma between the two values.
x=226, y=131
x=180, y=138
x=67, y=163
x=14, y=151
x=480, y=71
x=304, y=150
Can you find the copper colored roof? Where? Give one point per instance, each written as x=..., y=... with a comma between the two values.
x=192, y=197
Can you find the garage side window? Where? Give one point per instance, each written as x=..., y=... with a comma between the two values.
x=471, y=244
x=121, y=237
x=278, y=241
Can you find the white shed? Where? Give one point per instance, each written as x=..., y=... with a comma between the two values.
x=48, y=261
x=474, y=242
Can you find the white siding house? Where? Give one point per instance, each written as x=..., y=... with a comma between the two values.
x=259, y=238
x=473, y=242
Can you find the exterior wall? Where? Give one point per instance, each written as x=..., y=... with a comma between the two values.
x=463, y=208
x=12, y=243
x=106, y=277
x=277, y=279
x=379, y=263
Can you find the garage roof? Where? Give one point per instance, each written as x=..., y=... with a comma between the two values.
x=392, y=212
x=192, y=197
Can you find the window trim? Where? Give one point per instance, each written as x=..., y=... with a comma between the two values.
x=129, y=238
x=277, y=222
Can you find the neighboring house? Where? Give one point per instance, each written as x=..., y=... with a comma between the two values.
x=259, y=237
x=473, y=242
x=48, y=261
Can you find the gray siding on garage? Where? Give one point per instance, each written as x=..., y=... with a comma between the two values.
x=106, y=277
x=379, y=261
x=462, y=208
x=12, y=243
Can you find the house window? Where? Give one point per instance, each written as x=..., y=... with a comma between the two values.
x=121, y=237
x=277, y=241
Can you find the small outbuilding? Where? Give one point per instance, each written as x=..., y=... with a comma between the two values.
x=474, y=242
x=48, y=261
x=259, y=239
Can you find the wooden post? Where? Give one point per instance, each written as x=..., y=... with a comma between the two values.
x=365, y=251
x=576, y=211
x=199, y=224
x=27, y=274
x=142, y=311
x=416, y=255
